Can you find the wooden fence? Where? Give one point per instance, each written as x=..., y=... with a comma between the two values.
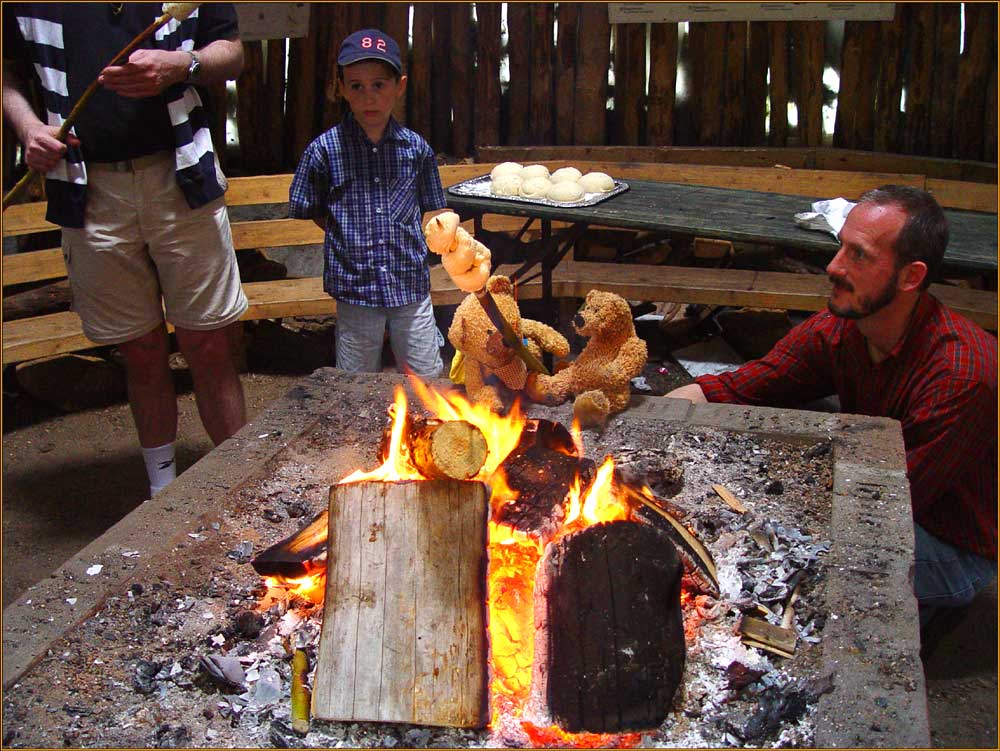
x=739, y=80
x=558, y=57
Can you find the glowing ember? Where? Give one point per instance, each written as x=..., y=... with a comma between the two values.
x=310, y=587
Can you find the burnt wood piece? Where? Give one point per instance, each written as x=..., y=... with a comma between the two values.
x=541, y=470
x=613, y=632
x=699, y=566
x=298, y=554
x=440, y=449
x=404, y=621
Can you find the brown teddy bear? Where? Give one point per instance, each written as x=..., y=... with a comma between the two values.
x=493, y=373
x=601, y=374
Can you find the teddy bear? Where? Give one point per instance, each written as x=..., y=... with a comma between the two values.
x=466, y=260
x=600, y=376
x=494, y=374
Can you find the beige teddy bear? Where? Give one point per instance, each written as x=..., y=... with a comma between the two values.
x=601, y=374
x=493, y=373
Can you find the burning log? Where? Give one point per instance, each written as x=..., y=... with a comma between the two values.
x=609, y=646
x=404, y=621
x=440, y=449
x=299, y=554
x=540, y=471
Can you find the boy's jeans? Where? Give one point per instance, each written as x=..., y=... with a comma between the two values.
x=946, y=576
x=413, y=336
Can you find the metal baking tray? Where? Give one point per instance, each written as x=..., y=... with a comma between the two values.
x=479, y=187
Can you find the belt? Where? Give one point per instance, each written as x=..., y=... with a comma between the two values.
x=131, y=165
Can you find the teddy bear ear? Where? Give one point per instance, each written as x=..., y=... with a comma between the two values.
x=500, y=285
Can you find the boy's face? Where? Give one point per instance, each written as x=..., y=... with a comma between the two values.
x=371, y=90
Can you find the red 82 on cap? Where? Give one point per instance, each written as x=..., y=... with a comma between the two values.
x=377, y=42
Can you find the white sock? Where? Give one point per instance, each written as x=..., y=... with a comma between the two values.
x=160, y=467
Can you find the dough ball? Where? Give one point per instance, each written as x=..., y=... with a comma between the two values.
x=535, y=187
x=535, y=170
x=505, y=168
x=597, y=182
x=565, y=173
x=566, y=192
x=506, y=185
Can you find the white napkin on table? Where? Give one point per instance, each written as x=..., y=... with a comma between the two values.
x=826, y=216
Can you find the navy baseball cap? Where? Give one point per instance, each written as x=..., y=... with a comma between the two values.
x=370, y=44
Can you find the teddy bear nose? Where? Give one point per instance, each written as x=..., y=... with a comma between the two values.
x=578, y=320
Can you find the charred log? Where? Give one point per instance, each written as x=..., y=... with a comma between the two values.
x=541, y=471
x=610, y=649
x=299, y=554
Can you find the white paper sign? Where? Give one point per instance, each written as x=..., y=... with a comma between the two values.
x=272, y=20
x=676, y=12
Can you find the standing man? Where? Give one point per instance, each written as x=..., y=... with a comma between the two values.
x=138, y=193
x=889, y=349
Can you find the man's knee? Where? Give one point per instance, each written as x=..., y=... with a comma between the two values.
x=212, y=348
x=147, y=353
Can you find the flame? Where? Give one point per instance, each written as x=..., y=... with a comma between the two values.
x=310, y=587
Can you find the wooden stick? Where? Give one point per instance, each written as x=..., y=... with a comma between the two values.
x=759, y=633
x=300, y=693
x=510, y=338
x=78, y=108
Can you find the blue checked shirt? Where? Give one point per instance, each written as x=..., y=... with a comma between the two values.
x=373, y=197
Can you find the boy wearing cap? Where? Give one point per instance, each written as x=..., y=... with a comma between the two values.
x=367, y=182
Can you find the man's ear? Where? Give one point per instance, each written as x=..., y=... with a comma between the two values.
x=912, y=275
x=401, y=90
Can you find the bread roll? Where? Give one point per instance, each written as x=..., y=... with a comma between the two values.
x=535, y=187
x=506, y=185
x=535, y=170
x=566, y=192
x=597, y=182
x=505, y=168
x=565, y=173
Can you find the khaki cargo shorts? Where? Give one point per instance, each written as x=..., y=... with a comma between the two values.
x=143, y=255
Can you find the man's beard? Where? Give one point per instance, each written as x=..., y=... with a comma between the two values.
x=867, y=305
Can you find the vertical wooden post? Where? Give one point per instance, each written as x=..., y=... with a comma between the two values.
x=442, y=79
x=779, y=83
x=419, y=110
x=734, y=88
x=662, y=84
x=711, y=84
x=404, y=632
x=947, y=38
x=519, y=65
x=565, y=72
x=542, y=61
x=462, y=79
x=590, y=104
x=274, y=104
x=300, y=127
x=856, y=98
x=978, y=58
x=919, y=78
x=756, y=85
x=809, y=61
x=396, y=23
x=487, y=96
x=890, y=84
x=630, y=82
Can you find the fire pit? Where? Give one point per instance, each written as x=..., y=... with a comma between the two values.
x=160, y=633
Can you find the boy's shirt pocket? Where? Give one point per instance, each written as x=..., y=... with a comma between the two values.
x=401, y=184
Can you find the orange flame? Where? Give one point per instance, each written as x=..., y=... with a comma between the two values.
x=310, y=587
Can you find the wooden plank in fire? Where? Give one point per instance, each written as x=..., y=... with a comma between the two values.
x=404, y=633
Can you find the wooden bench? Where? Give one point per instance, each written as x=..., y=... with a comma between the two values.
x=57, y=333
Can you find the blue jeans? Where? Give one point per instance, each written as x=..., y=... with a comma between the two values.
x=413, y=336
x=946, y=576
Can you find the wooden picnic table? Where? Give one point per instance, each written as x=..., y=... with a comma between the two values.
x=723, y=213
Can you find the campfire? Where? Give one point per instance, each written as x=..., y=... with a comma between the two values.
x=585, y=572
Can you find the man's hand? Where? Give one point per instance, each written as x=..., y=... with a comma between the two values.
x=147, y=73
x=692, y=392
x=42, y=150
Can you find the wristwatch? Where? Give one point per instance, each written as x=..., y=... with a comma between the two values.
x=194, y=69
